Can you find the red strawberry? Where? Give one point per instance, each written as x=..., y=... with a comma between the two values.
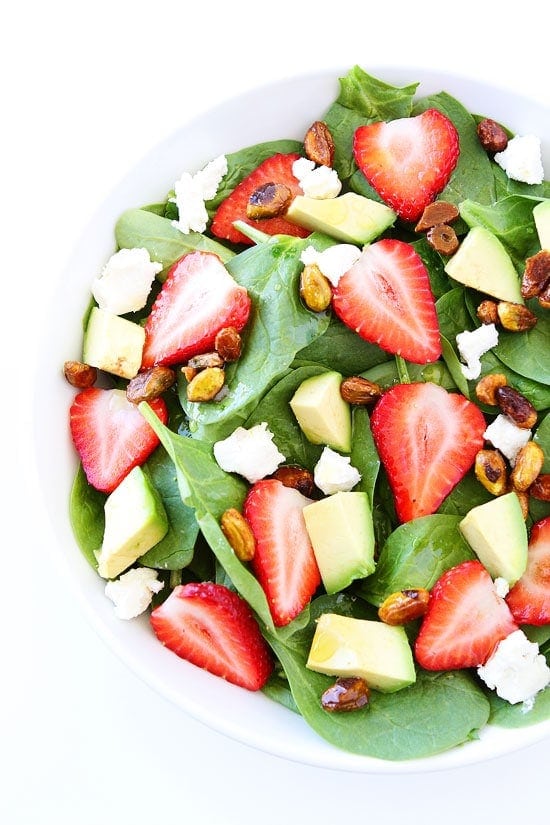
x=387, y=299
x=214, y=628
x=529, y=598
x=284, y=561
x=277, y=169
x=111, y=435
x=197, y=300
x=409, y=160
x=427, y=439
x=465, y=620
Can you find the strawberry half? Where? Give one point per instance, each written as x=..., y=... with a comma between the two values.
x=387, y=299
x=529, y=598
x=111, y=435
x=214, y=628
x=197, y=300
x=284, y=562
x=427, y=439
x=409, y=160
x=276, y=169
x=465, y=620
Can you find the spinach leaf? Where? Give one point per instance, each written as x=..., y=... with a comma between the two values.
x=386, y=374
x=452, y=314
x=279, y=326
x=506, y=715
x=542, y=438
x=468, y=493
x=364, y=455
x=535, y=392
x=527, y=353
x=511, y=220
x=340, y=348
x=434, y=263
x=87, y=516
x=454, y=366
x=165, y=243
x=415, y=555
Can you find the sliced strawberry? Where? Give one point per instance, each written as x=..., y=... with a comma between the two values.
x=387, y=299
x=111, y=435
x=276, y=169
x=284, y=561
x=197, y=300
x=409, y=160
x=427, y=439
x=465, y=620
x=529, y=598
x=214, y=628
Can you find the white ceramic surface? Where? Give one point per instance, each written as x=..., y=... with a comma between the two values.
x=280, y=110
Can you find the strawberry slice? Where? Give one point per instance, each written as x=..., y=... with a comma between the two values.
x=197, y=300
x=427, y=439
x=111, y=435
x=387, y=299
x=465, y=620
x=276, y=169
x=284, y=562
x=409, y=160
x=529, y=598
x=214, y=628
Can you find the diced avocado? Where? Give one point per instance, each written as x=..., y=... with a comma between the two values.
x=377, y=652
x=342, y=536
x=113, y=344
x=350, y=218
x=323, y=415
x=497, y=534
x=135, y=520
x=482, y=262
x=541, y=215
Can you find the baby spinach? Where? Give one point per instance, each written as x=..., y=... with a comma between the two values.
x=87, y=516
x=527, y=353
x=364, y=455
x=468, y=493
x=511, y=220
x=340, y=348
x=506, y=715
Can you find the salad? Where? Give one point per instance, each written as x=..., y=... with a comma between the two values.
x=311, y=417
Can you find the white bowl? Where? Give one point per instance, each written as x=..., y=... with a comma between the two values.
x=280, y=110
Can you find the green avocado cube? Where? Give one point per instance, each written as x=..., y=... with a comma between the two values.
x=541, y=215
x=350, y=218
x=322, y=414
x=113, y=344
x=482, y=263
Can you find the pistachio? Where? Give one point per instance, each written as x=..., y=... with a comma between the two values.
x=443, y=239
x=536, y=276
x=315, y=289
x=487, y=386
x=318, y=144
x=228, y=344
x=291, y=475
x=238, y=533
x=515, y=317
x=150, y=384
x=358, y=390
x=490, y=469
x=527, y=466
x=79, y=375
x=189, y=372
x=491, y=135
x=204, y=360
x=206, y=384
x=347, y=693
x=487, y=312
x=438, y=212
x=516, y=407
x=403, y=606
x=540, y=488
x=268, y=201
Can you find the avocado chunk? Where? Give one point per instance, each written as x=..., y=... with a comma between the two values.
x=135, y=520
x=322, y=414
x=497, y=534
x=113, y=344
x=341, y=532
x=541, y=215
x=482, y=262
x=377, y=652
x=350, y=218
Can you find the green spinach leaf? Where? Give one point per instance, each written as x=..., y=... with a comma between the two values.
x=527, y=353
x=511, y=220
x=87, y=516
x=340, y=348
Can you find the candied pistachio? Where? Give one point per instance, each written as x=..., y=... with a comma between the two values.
x=315, y=289
x=318, y=144
x=268, y=201
x=544, y=297
x=347, y=693
x=228, y=344
x=204, y=360
x=189, y=372
x=436, y=213
x=523, y=498
x=540, y=488
x=443, y=239
x=490, y=469
x=206, y=384
x=517, y=407
x=239, y=534
x=515, y=317
x=487, y=386
x=403, y=606
x=292, y=475
x=487, y=312
x=536, y=276
x=358, y=390
x=491, y=135
x=527, y=466
x=79, y=375
x=150, y=384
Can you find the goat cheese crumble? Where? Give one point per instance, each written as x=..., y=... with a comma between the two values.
x=250, y=453
x=506, y=436
x=319, y=182
x=133, y=591
x=334, y=261
x=191, y=192
x=516, y=670
x=472, y=345
x=125, y=281
x=334, y=473
x=521, y=160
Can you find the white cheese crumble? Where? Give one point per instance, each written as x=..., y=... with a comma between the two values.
x=133, y=591
x=521, y=160
x=334, y=261
x=125, y=281
x=250, y=453
x=334, y=473
x=472, y=345
x=502, y=587
x=191, y=192
x=516, y=669
x=506, y=436
x=319, y=182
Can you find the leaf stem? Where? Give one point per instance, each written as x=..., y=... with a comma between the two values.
x=251, y=232
x=402, y=371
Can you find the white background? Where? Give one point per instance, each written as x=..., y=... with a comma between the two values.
x=87, y=88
